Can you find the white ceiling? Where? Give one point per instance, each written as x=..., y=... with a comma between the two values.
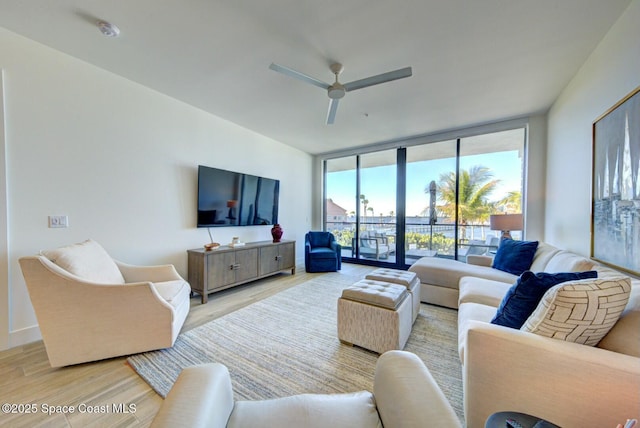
x=474, y=61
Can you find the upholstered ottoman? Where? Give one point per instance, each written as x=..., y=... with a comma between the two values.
x=409, y=280
x=375, y=315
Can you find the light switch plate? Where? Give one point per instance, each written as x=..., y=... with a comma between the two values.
x=58, y=221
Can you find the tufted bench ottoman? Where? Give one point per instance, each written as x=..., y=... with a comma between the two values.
x=375, y=315
x=409, y=280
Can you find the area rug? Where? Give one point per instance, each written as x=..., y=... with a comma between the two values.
x=287, y=344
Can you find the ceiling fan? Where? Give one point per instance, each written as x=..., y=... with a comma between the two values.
x=338, y=90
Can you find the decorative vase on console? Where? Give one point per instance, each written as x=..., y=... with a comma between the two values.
x=276, y=232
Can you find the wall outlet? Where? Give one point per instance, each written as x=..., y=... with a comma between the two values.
x=58, y=221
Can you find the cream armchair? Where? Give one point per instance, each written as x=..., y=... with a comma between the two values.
x=406, y=395
x=90, y=307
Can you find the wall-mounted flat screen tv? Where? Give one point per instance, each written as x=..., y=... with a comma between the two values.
x=227, y=198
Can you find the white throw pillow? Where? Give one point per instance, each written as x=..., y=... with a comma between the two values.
x=88, y=260
x=580, y=311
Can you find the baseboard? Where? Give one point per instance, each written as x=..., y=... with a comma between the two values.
x=24, y=336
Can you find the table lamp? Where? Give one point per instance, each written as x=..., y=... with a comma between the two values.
x=506, y=223
x=231, y=204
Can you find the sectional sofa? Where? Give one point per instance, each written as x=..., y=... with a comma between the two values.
x=509, y=369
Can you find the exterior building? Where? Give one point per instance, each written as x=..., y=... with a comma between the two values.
x=335, y=213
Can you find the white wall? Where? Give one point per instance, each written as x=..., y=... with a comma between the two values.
x=121, y=161
x=610, y=73
x=535, y=178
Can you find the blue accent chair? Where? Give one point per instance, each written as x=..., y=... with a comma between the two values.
x=321, y=252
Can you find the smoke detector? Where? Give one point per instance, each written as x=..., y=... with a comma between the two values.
x=108, y=29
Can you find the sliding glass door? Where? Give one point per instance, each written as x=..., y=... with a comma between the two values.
x=360, y=205
x=429, y=231
x=490, y=183
x=377, y=213
x=395, y=206
x=341, y=202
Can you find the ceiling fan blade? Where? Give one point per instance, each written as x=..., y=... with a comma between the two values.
x=297, y=75
x=380, y=78
x=333, y=108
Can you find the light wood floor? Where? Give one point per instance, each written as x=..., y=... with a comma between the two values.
x=26, y=378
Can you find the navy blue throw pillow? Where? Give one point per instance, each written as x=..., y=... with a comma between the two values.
x=515, y=256
x=523, y=296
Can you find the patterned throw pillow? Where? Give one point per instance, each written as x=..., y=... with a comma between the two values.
x=580, y=311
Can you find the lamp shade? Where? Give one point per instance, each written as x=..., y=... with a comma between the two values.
x=506, y=222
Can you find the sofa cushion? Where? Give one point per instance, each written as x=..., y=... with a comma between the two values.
x=480, y=290
x=515, y=256
x=323, y=253
x=544, y=253
x=580, y=311
x=624, y=336
x=523, y=297
x=565, y=261
x=87, y=260
x=471, y=312
x=356, y=409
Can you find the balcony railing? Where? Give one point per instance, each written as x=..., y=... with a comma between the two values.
x=421, y=238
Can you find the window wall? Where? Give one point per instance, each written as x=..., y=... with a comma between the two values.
x=393, y=206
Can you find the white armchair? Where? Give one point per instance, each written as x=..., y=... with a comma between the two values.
x=90, y=307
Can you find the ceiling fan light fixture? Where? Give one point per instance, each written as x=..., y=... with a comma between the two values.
x=336, y=91
x=108, y=29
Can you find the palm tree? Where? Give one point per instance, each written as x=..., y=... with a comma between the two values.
x=512, y=203
x=475, y=186
x=364, y=202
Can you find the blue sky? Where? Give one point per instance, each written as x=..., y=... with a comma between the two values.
x=378, y=184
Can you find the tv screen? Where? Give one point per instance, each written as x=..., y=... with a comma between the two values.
x=227, y=198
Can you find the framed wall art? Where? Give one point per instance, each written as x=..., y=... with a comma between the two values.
x=615, y=211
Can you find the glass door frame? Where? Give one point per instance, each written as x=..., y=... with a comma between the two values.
x=356, y=237
x=401, y=165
